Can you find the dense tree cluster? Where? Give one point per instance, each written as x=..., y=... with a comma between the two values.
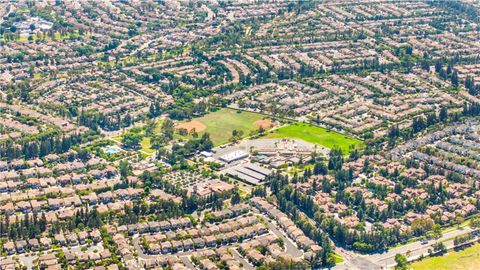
x=178, y=153
x=298, y=205
x=189, y=203
x=96, y=120
x=291, y=201
x=155, y=109
x=46, y=144
x=31, y=227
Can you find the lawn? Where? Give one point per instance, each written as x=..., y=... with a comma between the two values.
x=464, y=224
x=468, y=258
x=56, y=36
x=221, y=123
x=146, y=146
x=145, y=143
x=316, y=135
x=338, y=258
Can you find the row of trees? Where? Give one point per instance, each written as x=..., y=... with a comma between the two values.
x=155, y=109
x=450, y=74
x=38, y=147
x=161, y=210
x=421, y=123
x=96, y=120
x=473, y=89
x=32, y=227
x=25, y=229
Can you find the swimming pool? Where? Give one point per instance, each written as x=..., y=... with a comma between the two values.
x=111, y=150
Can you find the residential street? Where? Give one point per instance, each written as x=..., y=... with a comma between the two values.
x=291, y=248
x=240, y=258
x=186, y=260
x=416, y=249
x=353, y=261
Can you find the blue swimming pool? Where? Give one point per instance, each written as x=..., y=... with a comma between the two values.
x=111, y=150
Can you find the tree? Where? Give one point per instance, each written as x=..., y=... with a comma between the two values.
x=131, y=140
x=443, y=74
x=261, y=130
x=205, y=142
x=127, y=121
x=401, y=261
x=439, y=247
x=235, y=198
x=154, y=110
x=454, y=79
x=320, y=168
x=422, y=225
x=475, y=222
x=236, y=135
x=449, y=69
x=150, y=127
x=168, y=129
x=443, y=114
x=437, y=231
x=459, y=220
x=438, y=66
x=125, y=168
x=182, y=131
x=354, y=154
x=418, y=124
x=335, y=161
x=83, y=154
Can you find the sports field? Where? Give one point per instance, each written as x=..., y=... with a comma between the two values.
x=221, y=123
x=316, y=135
x=467, y=259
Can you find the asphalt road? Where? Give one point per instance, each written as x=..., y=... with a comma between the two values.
x=184, y=255
x=354, y=261
x=415, y=249
x=186, y=260
x=238, y=257
x=290, y=247
x=386, y=260
x=27, y=259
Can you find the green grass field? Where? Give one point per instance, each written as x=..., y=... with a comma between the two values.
x=56, y=36
x=221, y=123
x=146, y=146
x=467, y=259
x=316, y=135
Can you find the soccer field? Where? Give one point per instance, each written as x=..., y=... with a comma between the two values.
x=316, y=135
